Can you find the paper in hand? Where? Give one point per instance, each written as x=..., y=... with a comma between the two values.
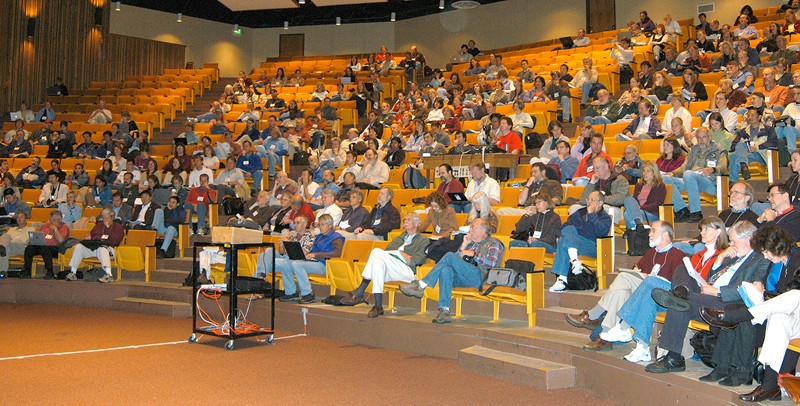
x=750, y=295
x=687, y=262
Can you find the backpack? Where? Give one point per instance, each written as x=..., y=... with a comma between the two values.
x=638, y=241
x=513, y=276
x=414, y=179
x=704, y=343
x=553, y=172
x=232, y=206
x=300, y=158
x=586, y=280
x=533, y=140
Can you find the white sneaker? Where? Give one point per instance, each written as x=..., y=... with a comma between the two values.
x=577, y=267
x=560, y=285
x=71, y=277
x=639, y=354
x=617, y=335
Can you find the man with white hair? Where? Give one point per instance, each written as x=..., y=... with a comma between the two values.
x=329, y=207
x=397, y=262
x=100, y=244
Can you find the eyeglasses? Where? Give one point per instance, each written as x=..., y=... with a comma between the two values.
x=735, y=192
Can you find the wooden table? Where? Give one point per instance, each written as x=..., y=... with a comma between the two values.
x=508, y=161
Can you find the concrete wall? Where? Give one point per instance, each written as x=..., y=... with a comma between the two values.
x=206, y=41
x=438, y=36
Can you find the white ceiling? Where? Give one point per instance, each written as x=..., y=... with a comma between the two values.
x=246, y=5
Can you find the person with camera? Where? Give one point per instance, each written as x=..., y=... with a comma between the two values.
x=466, y=267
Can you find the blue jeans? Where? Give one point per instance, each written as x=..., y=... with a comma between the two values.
x=759, y=207
x=566, y=108
x=535, y=244
x=742, y=155
x=689, y=248
x=204, y=118
x=452, y=271
x=461, y=208
x=598, y=120
x=257, y=177
x=297, y=269
x=703, y=114
x=571, y=239
x=633, y=212
x=264, y=262
x=202, y=212
x=585, y=89
x=790, y=133
x=693, y=184
x=273, y=159
x=639, y=311
x=170, y=232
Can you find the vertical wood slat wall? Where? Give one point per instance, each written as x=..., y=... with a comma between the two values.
x=68, y=44
x=137, y=56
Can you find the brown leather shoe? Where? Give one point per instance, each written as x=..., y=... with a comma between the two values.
x=760, y=394
x=598, y=345
x=716, y=318
x=375, y=312
x=582, y=320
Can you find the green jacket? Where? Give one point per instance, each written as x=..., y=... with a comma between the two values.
x=416, y=249
x=609, y=110
x=615, y=192
x=698, y=159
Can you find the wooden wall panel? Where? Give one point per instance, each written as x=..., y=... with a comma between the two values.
x=137, y=56
x=66, y=43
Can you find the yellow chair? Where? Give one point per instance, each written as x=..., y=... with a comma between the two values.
x=131, y=259
x=533, y=296
x=341, y=275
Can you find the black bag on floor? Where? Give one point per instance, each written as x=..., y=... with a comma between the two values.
x=171, y=251
x=512, y=276
x=704, y=343
x=586, y=280
x=62, y=275
x=638, y=241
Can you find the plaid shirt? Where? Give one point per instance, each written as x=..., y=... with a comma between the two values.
x=488, y=252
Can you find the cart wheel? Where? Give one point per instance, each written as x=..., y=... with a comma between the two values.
x=229, y=345
x=193, y=338
x=271, y=339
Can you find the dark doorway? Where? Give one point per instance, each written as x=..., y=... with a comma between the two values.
x=291, y=45
x=601, y=15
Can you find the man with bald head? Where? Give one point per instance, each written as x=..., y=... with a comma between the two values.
x=257, y=213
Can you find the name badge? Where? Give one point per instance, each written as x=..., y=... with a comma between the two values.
x=438, y=229
x=537, y=234
x=426, y=154
x=377, y=222
x=766, y=99
x=656, y=269
x=200, y=199
x=255, y=213
x=272, y=147
x=344, y=224
x=555, y=94
x=245, y=162
x=48, y=237
x=279, y=196
x=590, y=168
x=16, y=148
x=104, y=237
x=711, y=164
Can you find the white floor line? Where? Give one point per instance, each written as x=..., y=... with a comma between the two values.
x=127, y=347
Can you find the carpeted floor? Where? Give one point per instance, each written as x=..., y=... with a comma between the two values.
x=301, y=370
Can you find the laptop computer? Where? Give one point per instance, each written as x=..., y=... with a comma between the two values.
x=36, y=238
x=566, y=42
x=16, y=116
x=180, y=141
x=346, y=80
x=161, y=196
x=294, y=250
x=458, y=197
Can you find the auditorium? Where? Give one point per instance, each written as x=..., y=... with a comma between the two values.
x=479, y=201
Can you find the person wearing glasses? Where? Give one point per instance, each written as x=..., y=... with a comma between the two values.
x=782, y=212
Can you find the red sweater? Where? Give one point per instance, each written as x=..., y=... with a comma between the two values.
x=668, y=261
x=583, y=167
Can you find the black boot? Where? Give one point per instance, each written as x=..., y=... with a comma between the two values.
x=682, y=214
x=745, y=171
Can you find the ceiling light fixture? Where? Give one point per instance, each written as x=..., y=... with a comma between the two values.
x=338, y=20
x=301, y=2
x=393, y=17
x=285, y=25
x=441, y=4
x=117, y=5
x=180, y=17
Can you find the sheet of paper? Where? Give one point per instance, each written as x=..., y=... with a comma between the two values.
x=687, y=262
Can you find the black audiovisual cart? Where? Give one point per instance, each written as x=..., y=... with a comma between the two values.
x=233, y=291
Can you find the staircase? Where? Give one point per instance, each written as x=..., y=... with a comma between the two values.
x=201, y=105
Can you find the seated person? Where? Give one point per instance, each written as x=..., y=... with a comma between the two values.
x=397, y=263
x=538, y=182
x=79, y=178
x=55, y=231
x=19, y=147
x=13, y=204
x=14, y=241
x=539, y=226
x=354, y=215
x=645, y=126
x=751, y=144
x=738, y=263
x=630, y=165
x=250, y=164
x=32, y=177
x=144, y=213
x=697, y=174
x=585, y=168
x=167, y=221
x=481, y=182
x=648, y=194
x=71, y=212
x=276, y=147
x=614, y=188
x=579, y=237
x=373, y=172
x=465, y=268
x=256, y=215
x=53, y=193
x=781, y=211
x=383, y=218
x=327, y=244
x=315, y=201
x=658, y=263
x=301, y=233
x=565, y=161
x=603, y=110
x=441, y=216
x=329, y=207
x=105, y=235
x=198, y=201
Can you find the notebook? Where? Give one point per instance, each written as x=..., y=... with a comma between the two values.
x=35, y=238
x=294, y=250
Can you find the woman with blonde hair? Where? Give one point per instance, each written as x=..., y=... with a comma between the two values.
x=648, y=195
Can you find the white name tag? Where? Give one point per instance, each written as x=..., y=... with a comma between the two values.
x=279, y=196
x=590, y=169
x=438, y=229
x=555, y=94
x=537, y=234
x=200, y=199
x=344, y=224
x=766, y=99
x=656, y=269
x=711, y=164
x=245, y=162
x=377, y=222
x=48, y=237
x=104, y=237
x=255, y=213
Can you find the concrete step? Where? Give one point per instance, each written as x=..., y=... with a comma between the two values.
x=554, y=317
x=573, y=299
x=172, y=292
x=152, y=306
x=172, y=276
x=518, y=369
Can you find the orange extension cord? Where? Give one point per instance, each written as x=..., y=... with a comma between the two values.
x=242, y=327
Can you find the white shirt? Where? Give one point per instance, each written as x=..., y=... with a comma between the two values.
x=142, y=212
x=194, y=176
x=728, y=117
x=725, y=279
x=489, y=187
x=681, y=113
x=335, y=212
